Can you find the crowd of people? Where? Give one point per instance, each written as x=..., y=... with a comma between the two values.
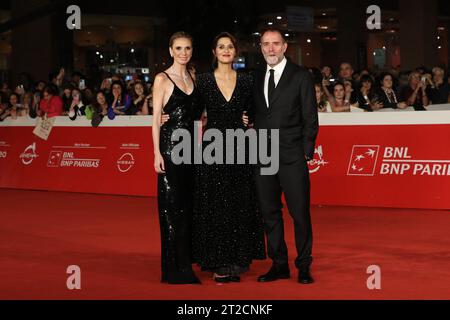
x=111, y=95
x=368, y=91
x=71, y=96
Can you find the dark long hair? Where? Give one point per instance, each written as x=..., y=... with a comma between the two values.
x=95, y=103
x=133, y=89
x=9, y=99
x=123, y=94
x=384, y=75
x=51, y=89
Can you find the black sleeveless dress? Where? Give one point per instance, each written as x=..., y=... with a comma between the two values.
x=175, y=193
x=228, y=230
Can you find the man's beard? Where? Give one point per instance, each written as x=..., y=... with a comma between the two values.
x=272, y=60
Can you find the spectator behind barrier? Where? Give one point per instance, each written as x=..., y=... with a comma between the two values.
x=14, y=107
x=29, y=103
x=66, y=97
x=346, y=74
x=439, y=91
x=365, y=96
x=99, y=109
x=120, y=100
x=77, y=107
x=140, y=101
x=340, y=99
x=321, y=99
x=51, y=104
x=387, y=95
x=415, y=94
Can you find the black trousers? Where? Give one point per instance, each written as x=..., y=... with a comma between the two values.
x=292, y=180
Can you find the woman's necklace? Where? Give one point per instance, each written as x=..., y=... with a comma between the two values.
x=388, y=95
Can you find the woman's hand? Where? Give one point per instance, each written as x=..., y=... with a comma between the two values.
x=424, y=87
x=116, y=96
x=429, y=80
x=61, y=73
x=402, y=105
x=419, y=86
x=245, y=119
x=377, y=106
x=139, y=99
x=164, y=118
x=321, y=108
x=73, y=104
x=159, y=163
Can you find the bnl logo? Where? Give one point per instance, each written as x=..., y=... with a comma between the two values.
x=363, y=160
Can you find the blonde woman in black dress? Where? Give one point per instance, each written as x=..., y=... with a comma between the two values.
x=174, y=94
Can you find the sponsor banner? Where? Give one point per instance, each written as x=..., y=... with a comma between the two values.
x=401, y=164
x=109, y=160
x=382, y=165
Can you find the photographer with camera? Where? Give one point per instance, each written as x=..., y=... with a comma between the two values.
x=439, y=89
x=415, y=94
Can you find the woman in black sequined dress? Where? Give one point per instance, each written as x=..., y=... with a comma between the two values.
x=174, y=94
x=227, y=227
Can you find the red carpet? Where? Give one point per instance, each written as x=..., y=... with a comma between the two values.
x=115, y=241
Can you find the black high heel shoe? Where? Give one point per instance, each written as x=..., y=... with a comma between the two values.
x=221, y=279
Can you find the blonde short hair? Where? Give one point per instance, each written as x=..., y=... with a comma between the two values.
x=437, y=69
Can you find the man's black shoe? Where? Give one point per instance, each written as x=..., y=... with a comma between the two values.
x=275, y=273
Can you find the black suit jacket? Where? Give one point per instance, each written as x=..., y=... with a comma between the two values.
x=292, y=110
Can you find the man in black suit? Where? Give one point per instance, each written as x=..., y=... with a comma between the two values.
x=285, y=99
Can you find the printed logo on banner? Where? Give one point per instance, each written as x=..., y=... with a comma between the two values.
x=29, y=154
x=400, y=160
x=318, y=161
x=54, y=159
x=69, y=160
x=72, y=159
x=363, y=160
x=3, y=154
x=125, y=162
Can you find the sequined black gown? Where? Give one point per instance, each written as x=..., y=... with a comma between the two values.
x=175, y=194
x=227, y=227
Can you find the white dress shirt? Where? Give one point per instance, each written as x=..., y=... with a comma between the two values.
x=279, y=68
